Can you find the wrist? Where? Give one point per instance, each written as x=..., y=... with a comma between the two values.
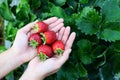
x=31, y=75
x=16, y=56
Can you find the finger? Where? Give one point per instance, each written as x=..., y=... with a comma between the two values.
x=55, y=23
x=50, y=20
x=35, y=60
x=28, y=27
x=60, y=34
x=70, y=40
x=58, y=27
x=66, y=34
x=65, y=56
x=31, y=32
x=57, y=35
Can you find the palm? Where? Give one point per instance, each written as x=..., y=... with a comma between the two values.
x=21, y=41
x=53, y=64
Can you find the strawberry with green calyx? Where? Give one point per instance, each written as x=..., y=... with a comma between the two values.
x=58, y=47
x=40, y=27
x=44, y=52
x=34, y=40
x=48, y=37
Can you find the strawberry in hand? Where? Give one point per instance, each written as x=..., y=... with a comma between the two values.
x=40, y=27
x=35, y=40
x=48, y=37
x=58, y=47
x=44, y=52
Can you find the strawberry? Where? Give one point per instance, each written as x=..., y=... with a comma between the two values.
x=44, y=52
x=58, y=47
x=40, y=27
x=34, y=40
x=48, y=37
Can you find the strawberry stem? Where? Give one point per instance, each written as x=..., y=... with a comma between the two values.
x=33, y=43
x=42, y=56
x=59, y=51
x=36, y=27
x=43, y=38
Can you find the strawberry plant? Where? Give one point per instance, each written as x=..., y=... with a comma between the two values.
x=96, y=50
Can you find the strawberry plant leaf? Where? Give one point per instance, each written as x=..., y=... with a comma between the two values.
x=10, y=76
x=60, y=2
x=2, y=48
x=23, y=9
x=104, y=72
x=115, y=62
x=89, y=21
x=85, y=48
x=5, y=11
x=110, y=35
x=35, y=4
x=57, y=11
x=113, y=13
x=83, y=1
x=82, y=70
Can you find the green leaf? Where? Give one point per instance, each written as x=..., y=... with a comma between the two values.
x=35, y=4
x=66, y=73
x=83, y=1
x=2, y=48
x=72, y=4
x=118, y=75
x=32, y=17
x=110, y=35
x=89, y=21
x=116, y=46
x=111, y=11
x=115, y=62
x=84, y=45
x=106, y=72
x=23, y=9
x=57, y=11
x=10, y=31
x=85, y=48
x=60, y=2
x=10, y=76
x=82, y=70
x=5, y=11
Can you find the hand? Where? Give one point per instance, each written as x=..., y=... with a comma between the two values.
x=20, y=45
x=39, y=69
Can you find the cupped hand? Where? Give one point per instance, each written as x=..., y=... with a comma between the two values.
x=20, y=45
x=41, y=69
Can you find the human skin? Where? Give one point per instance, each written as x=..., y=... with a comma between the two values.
x=20, y=52
x=38, y=70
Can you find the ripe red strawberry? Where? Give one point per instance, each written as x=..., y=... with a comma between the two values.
x=58, y=47
x=44, y=52
x=40, y=27
x=48, y=37
x=34, y=40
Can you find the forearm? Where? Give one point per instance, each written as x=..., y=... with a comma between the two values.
x=9, y=60
x=30, y=75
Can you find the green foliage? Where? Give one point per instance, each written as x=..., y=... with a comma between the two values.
x=96, y=51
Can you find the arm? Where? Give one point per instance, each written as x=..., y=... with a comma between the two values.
x=20, y=52
x=39, y=69
x=9, y=60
